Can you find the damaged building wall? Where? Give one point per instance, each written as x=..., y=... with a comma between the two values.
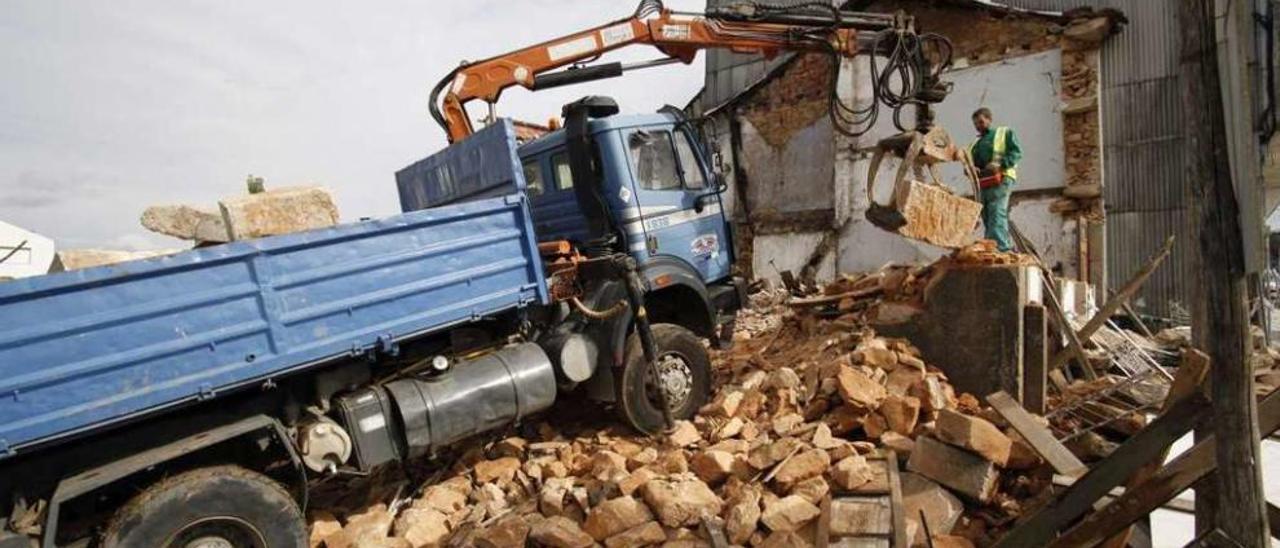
x=816, y=225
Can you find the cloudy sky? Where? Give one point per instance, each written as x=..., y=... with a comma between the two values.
x=108, y=107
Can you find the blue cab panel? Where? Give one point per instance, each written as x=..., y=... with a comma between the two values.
x=83, y=349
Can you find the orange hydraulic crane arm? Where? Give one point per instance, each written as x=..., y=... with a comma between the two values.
x=745, y=28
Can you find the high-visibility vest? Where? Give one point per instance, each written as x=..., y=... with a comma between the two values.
x=998, y=147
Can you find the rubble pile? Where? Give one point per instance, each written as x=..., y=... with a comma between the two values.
x=801, y=407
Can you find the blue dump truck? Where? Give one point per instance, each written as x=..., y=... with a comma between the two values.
x=191, y=400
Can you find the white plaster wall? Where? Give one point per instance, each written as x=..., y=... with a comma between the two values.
x=794, y=177
x=777, y=252
x=1053, y=235
x=1024, y=93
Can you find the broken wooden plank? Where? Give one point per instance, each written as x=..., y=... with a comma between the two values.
x=834, y=299
x=1113, y=304
x=1055, y=306
x=1186, y=506
x=1191, y=374
x=900, y=539
x=1177, y=476
x=1038, y=437
x=822, y=538
x=1075, y=501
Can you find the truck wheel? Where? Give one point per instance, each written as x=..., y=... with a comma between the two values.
x=215, y=507
x=685, y=370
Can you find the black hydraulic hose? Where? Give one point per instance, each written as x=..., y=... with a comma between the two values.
x=435, y=98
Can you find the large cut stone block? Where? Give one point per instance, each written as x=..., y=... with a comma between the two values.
x=280, y=211
x=186, y=222
x=959, y=470
x=937, y=216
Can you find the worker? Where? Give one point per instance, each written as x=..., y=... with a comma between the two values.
x=996, y=154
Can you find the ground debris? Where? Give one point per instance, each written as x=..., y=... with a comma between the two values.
x=804, y=402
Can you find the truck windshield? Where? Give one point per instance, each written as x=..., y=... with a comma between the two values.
x=653, y=160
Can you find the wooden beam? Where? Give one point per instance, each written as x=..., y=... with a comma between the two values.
x=1119, y=299
x=1192, y=371
x=899, y=517
x=1178, y=476
x=1041, y=528
x=1222, y=276
x=1055, y=307
x=1038, y=437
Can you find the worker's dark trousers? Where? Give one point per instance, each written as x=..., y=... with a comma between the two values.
x=995, y=214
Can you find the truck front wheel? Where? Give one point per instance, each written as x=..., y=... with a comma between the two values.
x=684, y=372
x=215, y=507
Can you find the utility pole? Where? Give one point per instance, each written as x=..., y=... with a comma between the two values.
x=1224, y=325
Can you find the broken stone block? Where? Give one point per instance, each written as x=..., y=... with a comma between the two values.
x=615, y=516
x=783, y=378
x=681, y=502
x=900, y=413
x=902, y=379
x=641, y=535
x=802, y=466
x=882, y=358
x=875, y=425
x=741, y=521
x=861, y=516
x=441, y=498
x=511, y=531
x=645, y=457
x=712, y=466
x=560, y=532
x=323, y=525
x=812, y=489
x=512, y=447
x=369, y=526
x=282, y=211
x=497, y=470
x=898, y=443
x=974, y=434
x=931, y=393
x=788, y=513
x=961, y=471
x=823, y=439
x=731, y=428
x=551, y=501
x=858, y=389
x=783, y=539
x=940, y=507
x=724, y=405
x=606, y=463
x=935, y=215
x=76, y=259
x=632, y=483
x=684, y=434
x=186, y=222
x=851, y=472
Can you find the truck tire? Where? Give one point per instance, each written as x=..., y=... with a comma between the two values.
x=686, y=368
x=215, y=507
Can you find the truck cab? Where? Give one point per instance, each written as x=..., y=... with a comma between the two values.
x=664, y=203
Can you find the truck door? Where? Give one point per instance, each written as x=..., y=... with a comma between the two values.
x=670, y=175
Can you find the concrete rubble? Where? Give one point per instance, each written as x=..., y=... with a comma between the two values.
x=803, y=405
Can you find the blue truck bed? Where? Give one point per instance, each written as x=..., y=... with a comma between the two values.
x=82, y=349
